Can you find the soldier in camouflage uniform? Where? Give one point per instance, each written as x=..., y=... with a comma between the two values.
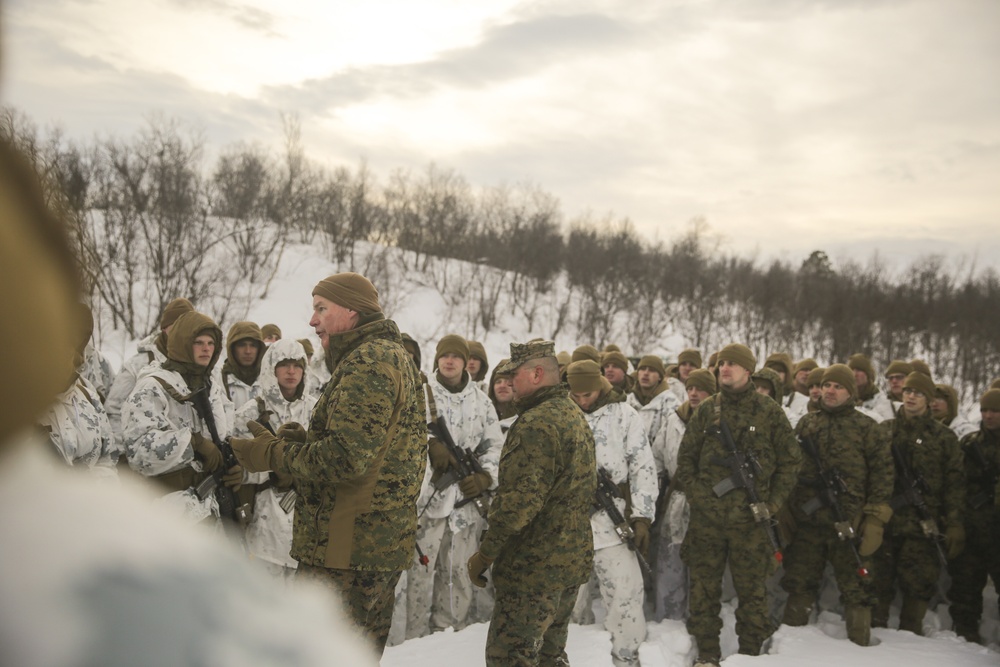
x=240, y=374
x=944, y=407
x=76, y=423
x=910, y=556
x=359, y=473
x=539, y=523
x=622, y=450
x=724, y=529
x=847, y=442
x=871, y=400
x=981, y=557
x=165, y=437
x=150, y=349
x=895, y=377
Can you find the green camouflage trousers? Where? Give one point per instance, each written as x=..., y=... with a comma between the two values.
x=979, y=559
x=805, y=560
x=367, y=597
x=529, y=629
x=745, y=547
x=909, y=562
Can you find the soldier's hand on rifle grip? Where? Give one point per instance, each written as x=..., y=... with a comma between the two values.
x=872, y=529
x=475, y=484
x=761, y=511
x=234, y=477
x=441, y=458
x=640, y=529
x=478, y=564
x=210, y=455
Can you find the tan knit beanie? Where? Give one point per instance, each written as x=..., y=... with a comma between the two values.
x=740, y=355
x=586, y=352
x=655, y=363
x=701, y=378
x=816, y=377
x=920, y=382
x=990, y=400
x=616, y=358
x=349, y=290
x=454, y=344
x=842, y=375
x=585, y=376
x=900, y=367
x=691, y=356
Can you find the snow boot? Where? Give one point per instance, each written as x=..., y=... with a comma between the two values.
x=911, y=616
x=798, y=609
x=859, y=625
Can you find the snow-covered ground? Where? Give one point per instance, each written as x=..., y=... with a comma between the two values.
x=423, y=313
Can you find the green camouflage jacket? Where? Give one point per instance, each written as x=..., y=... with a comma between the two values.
x=539, y=522
x=359, y=473
x=759, y=425
x=848, y=442
x=981, y=480
x=931, y=450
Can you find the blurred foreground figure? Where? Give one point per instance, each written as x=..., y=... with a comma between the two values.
x=94, y=574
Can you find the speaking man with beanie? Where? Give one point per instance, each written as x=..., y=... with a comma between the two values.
x=722, y=528
x=981, y=557
x=538, y=541
x=359, y=472
x=929, y=450
x=849, y=442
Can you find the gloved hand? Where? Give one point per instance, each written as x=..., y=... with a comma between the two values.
x=763, y=511
x=292, y=432
x=872, y=529
x=211, y=457
x=478, y=564
x=282, y=480
x=640, y=528
x=265, y=452
x=441, y=458
x=880, y=511
x=475, y=484
x=233, y=477
x=954, y=538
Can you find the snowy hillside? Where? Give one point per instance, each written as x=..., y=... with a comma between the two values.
x=420, y=310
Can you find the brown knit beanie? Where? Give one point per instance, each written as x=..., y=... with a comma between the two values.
x=690, y=355
x=586, y=352
x=701, y=378
x=950, y=396
x=454, y=344
x=842, y=375
x=585, y=376
x=740, y=355
x=349, y=290
x=782, y=362
x=805, y=365
x=996, y=384
x=655, y=363
x=860, y=362
x=307, y=346
x=713, y=359
x=175, y=309
x=900, y=367
x=990, y=400
x=920, y=366
x=477, y=350
x=816, y=377
x=611, y=347
x=920, y=382
x=564, y=358
x=615, y=358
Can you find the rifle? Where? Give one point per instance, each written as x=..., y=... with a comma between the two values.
x=744, y=469
x=467, y=464
x=914, y=489
x=232, y=513
x=607, y=491
x=829, y=489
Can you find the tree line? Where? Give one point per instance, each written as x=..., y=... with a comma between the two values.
x=150, y=220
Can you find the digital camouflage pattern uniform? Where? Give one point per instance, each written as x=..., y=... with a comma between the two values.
x=722, y=530
x=78, y=427
x=981, y=557
x=539, y=529
x=907, y=556
x=359, y=473
x=849, y=443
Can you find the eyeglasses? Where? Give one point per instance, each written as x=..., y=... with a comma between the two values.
x=895, y=378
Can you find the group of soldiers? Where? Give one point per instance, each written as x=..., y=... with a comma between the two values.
x=733, y=479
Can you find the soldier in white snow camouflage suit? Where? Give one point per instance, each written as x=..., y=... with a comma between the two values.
x=440, y=594
x=623, y=451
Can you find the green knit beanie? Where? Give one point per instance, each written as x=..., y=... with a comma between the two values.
x=740, y=355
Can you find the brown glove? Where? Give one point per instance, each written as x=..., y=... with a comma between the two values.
x=441, y=458
x=478, y=564
x=265, y=452
x=954, y=538
x=871, y=535
x=640, y=528
x=292, y=432
x=475, y=484
x=234, y=477
x=211, y=457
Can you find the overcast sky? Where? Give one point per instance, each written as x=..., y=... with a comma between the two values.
x=791, y=125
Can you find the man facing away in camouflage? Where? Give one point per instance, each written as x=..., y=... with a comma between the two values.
x=539, y=540
x=981, y=557
x=359, y=472
x=722, y=528
x=848, y=444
